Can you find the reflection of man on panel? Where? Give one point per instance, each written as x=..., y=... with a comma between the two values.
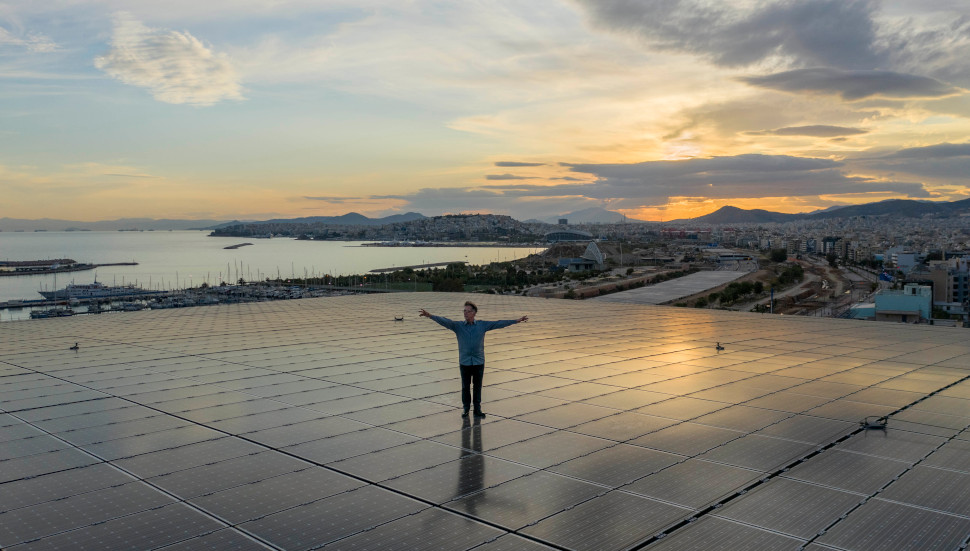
x=471, y=469
x=471, y=351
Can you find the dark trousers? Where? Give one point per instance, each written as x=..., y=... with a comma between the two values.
x=472, y=374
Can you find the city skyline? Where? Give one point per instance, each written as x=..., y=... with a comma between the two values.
x=659, y=110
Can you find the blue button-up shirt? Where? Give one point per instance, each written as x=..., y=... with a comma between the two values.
x=471, y=337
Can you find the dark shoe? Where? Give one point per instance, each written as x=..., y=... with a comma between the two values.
x=479, y=413
x=465, y=413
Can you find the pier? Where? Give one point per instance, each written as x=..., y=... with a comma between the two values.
x=416, y=266
x=27, y=269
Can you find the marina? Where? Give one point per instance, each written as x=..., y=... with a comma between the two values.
x=179, y=260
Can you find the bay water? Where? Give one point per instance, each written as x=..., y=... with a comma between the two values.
x=180, y=259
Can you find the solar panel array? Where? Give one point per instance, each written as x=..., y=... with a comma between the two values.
x=326, y=423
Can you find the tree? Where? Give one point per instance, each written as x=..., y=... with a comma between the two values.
x=778, y=255
x=832, y=259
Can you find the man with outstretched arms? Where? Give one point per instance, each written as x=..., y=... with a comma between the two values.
x=471, y=351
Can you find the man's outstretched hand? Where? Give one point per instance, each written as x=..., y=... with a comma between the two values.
x=425, y=313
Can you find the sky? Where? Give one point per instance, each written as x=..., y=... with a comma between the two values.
x=659, y=109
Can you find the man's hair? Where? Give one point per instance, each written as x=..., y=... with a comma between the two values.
x=472, y=304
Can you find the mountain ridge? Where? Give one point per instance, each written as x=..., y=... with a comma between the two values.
x=903, y=208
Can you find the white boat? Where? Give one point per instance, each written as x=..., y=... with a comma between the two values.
x=96, y=290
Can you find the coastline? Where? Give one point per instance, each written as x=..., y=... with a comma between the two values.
x=452, y=244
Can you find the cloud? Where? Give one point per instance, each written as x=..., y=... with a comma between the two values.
x=331, y=199
x=839, y=33
x=33, y=42
x=122, y=175
x=657, y=183
x=517, y=164
x=854, y=85
x=741, y=176
x=938, y=151
x=948, y=163
x=494, y=201
x=506, y=177
x=817, y=130
x=175, y=66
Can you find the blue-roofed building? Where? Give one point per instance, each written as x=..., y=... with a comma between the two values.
x=912, y=304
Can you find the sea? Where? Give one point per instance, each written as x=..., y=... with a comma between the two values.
x=182, y=259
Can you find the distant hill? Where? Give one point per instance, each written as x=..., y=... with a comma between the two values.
x=900, y=208
x=592, y=215
x=151, y=224
x=51, y=224
x=349, y=219
x=734, y=215
x=903, y=208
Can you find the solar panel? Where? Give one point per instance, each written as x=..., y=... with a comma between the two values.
x=304, y=431
x=716, y=534
x=428, y=529
x=399, y=460
x=616, y=520
x=813, y=430
x=43, y=463
x=550, y=449
x=401, y=411
x=50, y=487
x=937, y=489
x=458, y=478
x=525, y=500
x=952, y=455
x=121, y=429
x=227, y=539
x=31, y=445
x=893, y=444
x=342, y=446
x=790, y=507
x=623, y=426
x=184, y=457
x=270, y=495
x=227, y=473
x=145, y=530
x=48, y=518
x=683, y=408
x=687, y=438
x=879, y=525
x=694, y=483
x=854, y=472
x=147, y=443
x=616, y=465
x=332, y=518
x=762, y=453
